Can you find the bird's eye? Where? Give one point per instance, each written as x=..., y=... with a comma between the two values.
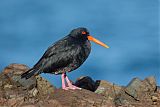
x=84, y=33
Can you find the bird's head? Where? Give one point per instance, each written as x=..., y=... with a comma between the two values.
x=83, y=34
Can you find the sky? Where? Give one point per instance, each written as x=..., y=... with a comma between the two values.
x=129, y=27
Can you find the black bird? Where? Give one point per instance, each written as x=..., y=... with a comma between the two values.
x=65, y=55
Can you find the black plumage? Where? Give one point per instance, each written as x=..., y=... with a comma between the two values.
x=65, y=55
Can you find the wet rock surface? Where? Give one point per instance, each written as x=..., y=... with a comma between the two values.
x=38, y=92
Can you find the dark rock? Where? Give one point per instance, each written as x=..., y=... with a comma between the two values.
x=86, y=82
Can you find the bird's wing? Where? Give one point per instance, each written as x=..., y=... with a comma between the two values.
x=58, y=55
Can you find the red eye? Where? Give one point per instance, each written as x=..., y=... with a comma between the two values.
x=84, y=33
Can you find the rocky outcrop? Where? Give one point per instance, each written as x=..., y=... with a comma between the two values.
x=38, y=92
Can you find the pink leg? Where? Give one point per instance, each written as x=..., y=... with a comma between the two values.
x=63, y=81
x=70, y=86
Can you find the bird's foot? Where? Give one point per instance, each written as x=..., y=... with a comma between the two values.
x=65, y=88
x=73, y=87
x=69, y=86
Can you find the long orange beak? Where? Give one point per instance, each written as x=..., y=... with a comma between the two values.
x=97, y=41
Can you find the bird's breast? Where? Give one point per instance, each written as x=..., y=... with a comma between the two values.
x=86, y=49
x=82, y=53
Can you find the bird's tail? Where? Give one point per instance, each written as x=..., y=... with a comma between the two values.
x=29, y=73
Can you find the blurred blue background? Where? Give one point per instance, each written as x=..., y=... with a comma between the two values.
x=129, y=27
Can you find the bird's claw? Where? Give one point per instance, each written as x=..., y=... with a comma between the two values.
x=65, y=88
x=72, y=87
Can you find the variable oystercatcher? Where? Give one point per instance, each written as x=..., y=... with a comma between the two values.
x=65, y=55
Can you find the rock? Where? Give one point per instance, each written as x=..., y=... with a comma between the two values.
x=33, y=92
x=44, y=86
x=50, y=103
x=138, y=91
x=81, y=98
x=13, y=73
x=15, y=91
x=149, y=84
x=29, y=106
x=86, y=82
x=38, y=92
x=154, y=98
x=107, y=89
x=133, y=88
x=8, y=86
x=137, y=87
x=1, y=83
x=100, y=90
